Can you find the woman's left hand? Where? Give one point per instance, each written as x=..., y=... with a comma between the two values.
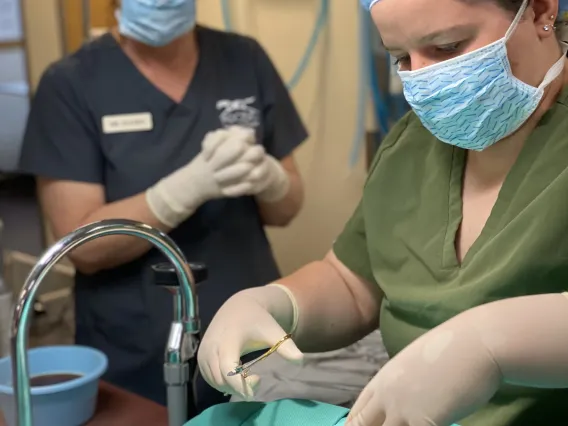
x=439, y=379
x=268, y=180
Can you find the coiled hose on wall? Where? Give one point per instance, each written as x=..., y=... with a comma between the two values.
x=368, y=77
x=321, y=22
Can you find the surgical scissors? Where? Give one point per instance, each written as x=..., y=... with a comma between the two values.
x=244, y=369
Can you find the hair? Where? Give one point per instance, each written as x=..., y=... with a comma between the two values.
x=512, y=6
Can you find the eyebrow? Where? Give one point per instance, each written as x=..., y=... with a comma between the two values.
x=440, y=37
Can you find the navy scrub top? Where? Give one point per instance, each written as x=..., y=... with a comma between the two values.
x=121, y=311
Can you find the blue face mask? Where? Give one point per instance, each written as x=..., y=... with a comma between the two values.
x=474, y=100
x=368, y=4
x=156, y=22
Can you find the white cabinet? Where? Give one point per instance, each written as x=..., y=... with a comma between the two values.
x=10, y=21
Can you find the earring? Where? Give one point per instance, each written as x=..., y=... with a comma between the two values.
x=552, y=17
x=547, y=27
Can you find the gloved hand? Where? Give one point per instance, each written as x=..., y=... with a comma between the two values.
x=221, y=169
x=456, y=368
x=249, y=321
x=438, y=379
x=268, y=180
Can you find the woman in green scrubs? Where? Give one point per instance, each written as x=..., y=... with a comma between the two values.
x=458, y=248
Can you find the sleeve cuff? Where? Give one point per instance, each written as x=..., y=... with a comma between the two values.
x=356, y=262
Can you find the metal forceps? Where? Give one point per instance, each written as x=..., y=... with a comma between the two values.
x=244, y=369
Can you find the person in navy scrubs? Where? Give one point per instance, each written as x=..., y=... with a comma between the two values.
x=182, y=127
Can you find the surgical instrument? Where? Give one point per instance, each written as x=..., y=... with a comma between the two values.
x=244, y=369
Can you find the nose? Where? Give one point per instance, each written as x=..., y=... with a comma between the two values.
x=418, y=61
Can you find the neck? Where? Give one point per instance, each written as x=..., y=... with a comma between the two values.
x=490, y=166
x=181, y=52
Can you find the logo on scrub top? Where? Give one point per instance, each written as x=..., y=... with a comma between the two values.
x=239, y=112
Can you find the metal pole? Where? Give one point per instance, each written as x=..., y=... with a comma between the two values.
x=86, y=9
x=63, y=26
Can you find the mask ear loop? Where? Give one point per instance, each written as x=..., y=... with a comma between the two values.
x=517, y=19
x=558, y=67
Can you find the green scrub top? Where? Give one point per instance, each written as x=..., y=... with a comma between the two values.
x=402, y=237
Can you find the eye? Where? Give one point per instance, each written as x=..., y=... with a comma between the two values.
x=400, y=60
x=450, y=48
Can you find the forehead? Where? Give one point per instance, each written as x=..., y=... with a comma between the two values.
x=400, y=21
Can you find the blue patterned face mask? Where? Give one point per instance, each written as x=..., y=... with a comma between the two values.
x=474, y=100
x=156, y=22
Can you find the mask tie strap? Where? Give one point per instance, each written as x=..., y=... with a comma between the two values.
x=556, y=69
x=517, y=19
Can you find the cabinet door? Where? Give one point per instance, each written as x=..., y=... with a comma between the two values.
x=14, y=89
x=100, y=16
x=11, y=28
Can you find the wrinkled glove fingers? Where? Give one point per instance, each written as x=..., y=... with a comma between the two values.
x=265, y=337
x=227, y=153
x=217, y=375
x=210, y=375
x=395, y=422
x=255, y=154
x=212, y=141
x=259, y=174
x=370, y=417
x=233, y=174
x=271, y=333
x=366, y=410
x=238, y=190
x=228, y=360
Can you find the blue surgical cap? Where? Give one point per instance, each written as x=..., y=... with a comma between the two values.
x=368, y=4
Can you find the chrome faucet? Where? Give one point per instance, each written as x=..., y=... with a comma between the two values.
x=183, y=337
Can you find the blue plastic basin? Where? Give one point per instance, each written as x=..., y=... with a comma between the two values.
x=70, y=403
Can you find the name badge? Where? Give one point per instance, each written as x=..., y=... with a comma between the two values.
x=126, y=123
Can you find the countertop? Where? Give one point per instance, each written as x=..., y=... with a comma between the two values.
x=116, y=407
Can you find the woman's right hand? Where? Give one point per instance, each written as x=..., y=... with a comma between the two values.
x=249, y=321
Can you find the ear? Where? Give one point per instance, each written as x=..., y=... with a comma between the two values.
x=545, y=16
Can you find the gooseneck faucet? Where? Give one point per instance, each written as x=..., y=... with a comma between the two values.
x=183, y=338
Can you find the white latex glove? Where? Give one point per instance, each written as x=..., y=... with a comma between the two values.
x=249, y=321
x=219, y=170
x=268, y=181
x=456, y=368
